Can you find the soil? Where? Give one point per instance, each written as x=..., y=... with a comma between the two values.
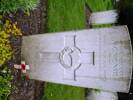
x=35, y=23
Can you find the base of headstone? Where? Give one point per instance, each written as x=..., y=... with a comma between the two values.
x=101, y=95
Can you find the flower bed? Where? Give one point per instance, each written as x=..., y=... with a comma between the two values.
x=10, y=31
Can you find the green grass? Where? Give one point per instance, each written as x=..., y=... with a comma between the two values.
x=64, y=15
x=63, y=92
x=100, y=5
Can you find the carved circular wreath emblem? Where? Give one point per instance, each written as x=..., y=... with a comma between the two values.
x=70, y=57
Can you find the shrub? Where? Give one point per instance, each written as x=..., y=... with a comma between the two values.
x=5, y=83
x=7, y=6
x=7, y=30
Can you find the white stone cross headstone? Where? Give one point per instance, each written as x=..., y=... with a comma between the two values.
x=95, y=58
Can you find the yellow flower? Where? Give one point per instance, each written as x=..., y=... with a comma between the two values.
x=14, y=26
x=1, y=16
x=7, y=22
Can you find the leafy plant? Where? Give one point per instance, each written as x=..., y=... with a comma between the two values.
x=100, y=5
x=7, y=6
x=5, y=83
x=7, y=30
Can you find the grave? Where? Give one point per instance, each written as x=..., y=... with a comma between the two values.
x=91, y=58
x=82, y=58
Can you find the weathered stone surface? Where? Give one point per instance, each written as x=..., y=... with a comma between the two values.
x=101, y=95
x=95, y=58
x=104, y=17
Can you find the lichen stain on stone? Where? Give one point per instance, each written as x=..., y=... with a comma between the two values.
x=126, y=44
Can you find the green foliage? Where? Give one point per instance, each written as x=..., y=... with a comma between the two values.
x=5, y=49
x=63, y=92
x=7, y=30
x=7, y=6
x=64, y=15
x=5, y=83
x=100, y=5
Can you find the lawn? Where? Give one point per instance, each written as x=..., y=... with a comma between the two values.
x=64, y=15
x=101, y=5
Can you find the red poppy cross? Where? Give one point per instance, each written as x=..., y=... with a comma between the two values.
x=22, y=66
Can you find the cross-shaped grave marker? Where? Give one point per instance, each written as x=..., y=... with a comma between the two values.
x=81, y=58
x=22, y=66
x=95, y=58
x=71, y=57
